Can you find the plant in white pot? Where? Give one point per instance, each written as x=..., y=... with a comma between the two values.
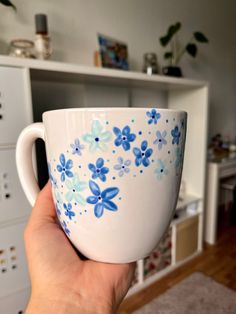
x=175, y=53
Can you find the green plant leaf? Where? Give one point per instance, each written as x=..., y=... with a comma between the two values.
x=172, y=30
x=8, y=3
x=200, y=37
x=168, y=55
x=192, y=50
x=165, y=40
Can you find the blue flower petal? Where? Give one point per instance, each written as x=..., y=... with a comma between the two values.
x=118, y=167
x=59, y=168
x=102, y=177
x=148, y=152
x=98, y=210
x=109, y=205
x=144, y=145
x=150, y=121
x=148, y=114
x=126, y=145
x=92, y=167
x=99, y=162
x=95, y=175
x=120, y=160
x=117, y=131
x=126, y=130
x=118, y=141
x=63, y=176
x=109, y=193
x=92, y=200
x=153, y=112
x=69, y=173
x=104, y=170
x=69, y=164
x=138, y=161
x=137, y=152
x=62, y=159
x=131, y=137
x=145, y=162
x=94, y=188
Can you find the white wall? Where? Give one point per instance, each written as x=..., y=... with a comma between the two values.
x=74, y=24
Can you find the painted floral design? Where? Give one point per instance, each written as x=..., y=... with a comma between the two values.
x=153, y=116
x=97, y=138
x=59, y=202
x=124, y=137
x=65, y=228
x=142, y=155
x=160, y=140
x=75, y=187
x=77, y=147
x=65, y=167
x=123, y=166
x=176, y=135
x=102, y=200
x=51, y=177
x=161, y=170
x=98, y=170
x=68, y=210
x=178, y=159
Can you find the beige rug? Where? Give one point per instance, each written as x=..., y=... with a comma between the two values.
x=197, y=294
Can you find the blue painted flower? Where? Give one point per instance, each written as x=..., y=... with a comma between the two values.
x=176, y=135
x=76, y=147
x=65, y=228
x=75, y=187
x=143, y=154
x=51, y=177
x=68, y=210
x=64, y=167
x=97, y=138
x=160, y=141
x=124, y=137
x=153, y=116
x=102, y=200
x=161, y=170
x=98, y=170
x=122, y=166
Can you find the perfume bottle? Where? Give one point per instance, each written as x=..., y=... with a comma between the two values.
x=43, y=46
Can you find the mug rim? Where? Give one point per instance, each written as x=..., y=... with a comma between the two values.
x=98, y=109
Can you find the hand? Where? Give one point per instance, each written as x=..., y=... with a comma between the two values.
x=61, y=281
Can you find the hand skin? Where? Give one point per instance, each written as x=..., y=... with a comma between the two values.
x=61, y=281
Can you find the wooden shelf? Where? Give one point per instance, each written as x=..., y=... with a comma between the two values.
x=65, y=72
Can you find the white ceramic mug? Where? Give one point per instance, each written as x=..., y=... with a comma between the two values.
x=115, y=175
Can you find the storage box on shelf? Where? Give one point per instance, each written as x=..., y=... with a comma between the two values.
x=55, y=85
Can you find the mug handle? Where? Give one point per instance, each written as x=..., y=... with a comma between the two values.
x=24, y=148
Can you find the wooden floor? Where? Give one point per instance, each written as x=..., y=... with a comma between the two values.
x=217, y=261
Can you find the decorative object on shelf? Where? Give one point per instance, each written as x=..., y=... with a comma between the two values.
x=43, y=45
x=150, y=63
x=114, y=53
x=8, y=4
x=98, y=167
x=22, y=48
x=175, y=53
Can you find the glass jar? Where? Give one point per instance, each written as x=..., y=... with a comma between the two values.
x=22, y=48
x=150, y=63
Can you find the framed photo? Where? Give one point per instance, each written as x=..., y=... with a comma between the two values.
x=113, y=53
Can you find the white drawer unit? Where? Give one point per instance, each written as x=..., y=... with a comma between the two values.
x=13, y=203
x=15, y=303
x=13, y=267
x=15, y=103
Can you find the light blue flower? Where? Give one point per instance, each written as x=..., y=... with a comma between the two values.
x=122, y=166
x=161, y=170
x=98, y=170
x=176, y=135
x=68, y=210
x=65, y=228
x=102, y=200
x=160, y=141
x=153, y=116
x=75, y=187
x=124, y=137
x=64, y=167
x=142, y=155
x=51, y=177
x=59, y=202
x=77, y=147
x=97, y=138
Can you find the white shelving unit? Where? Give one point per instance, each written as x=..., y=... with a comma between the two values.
x=52, y=85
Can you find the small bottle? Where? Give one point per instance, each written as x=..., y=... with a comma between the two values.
x=43, y=47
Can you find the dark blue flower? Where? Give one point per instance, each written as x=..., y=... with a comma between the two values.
x=98, y=170
x=65, y=228
x=77, y=147
x=65, y=167
x=143, y=154
x=153, y=116
x=102, y=200
x=176, y=135
x=68, y=210
x=124, y=137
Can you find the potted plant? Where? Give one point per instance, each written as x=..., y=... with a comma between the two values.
x=175, y=53
x=8, y=3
